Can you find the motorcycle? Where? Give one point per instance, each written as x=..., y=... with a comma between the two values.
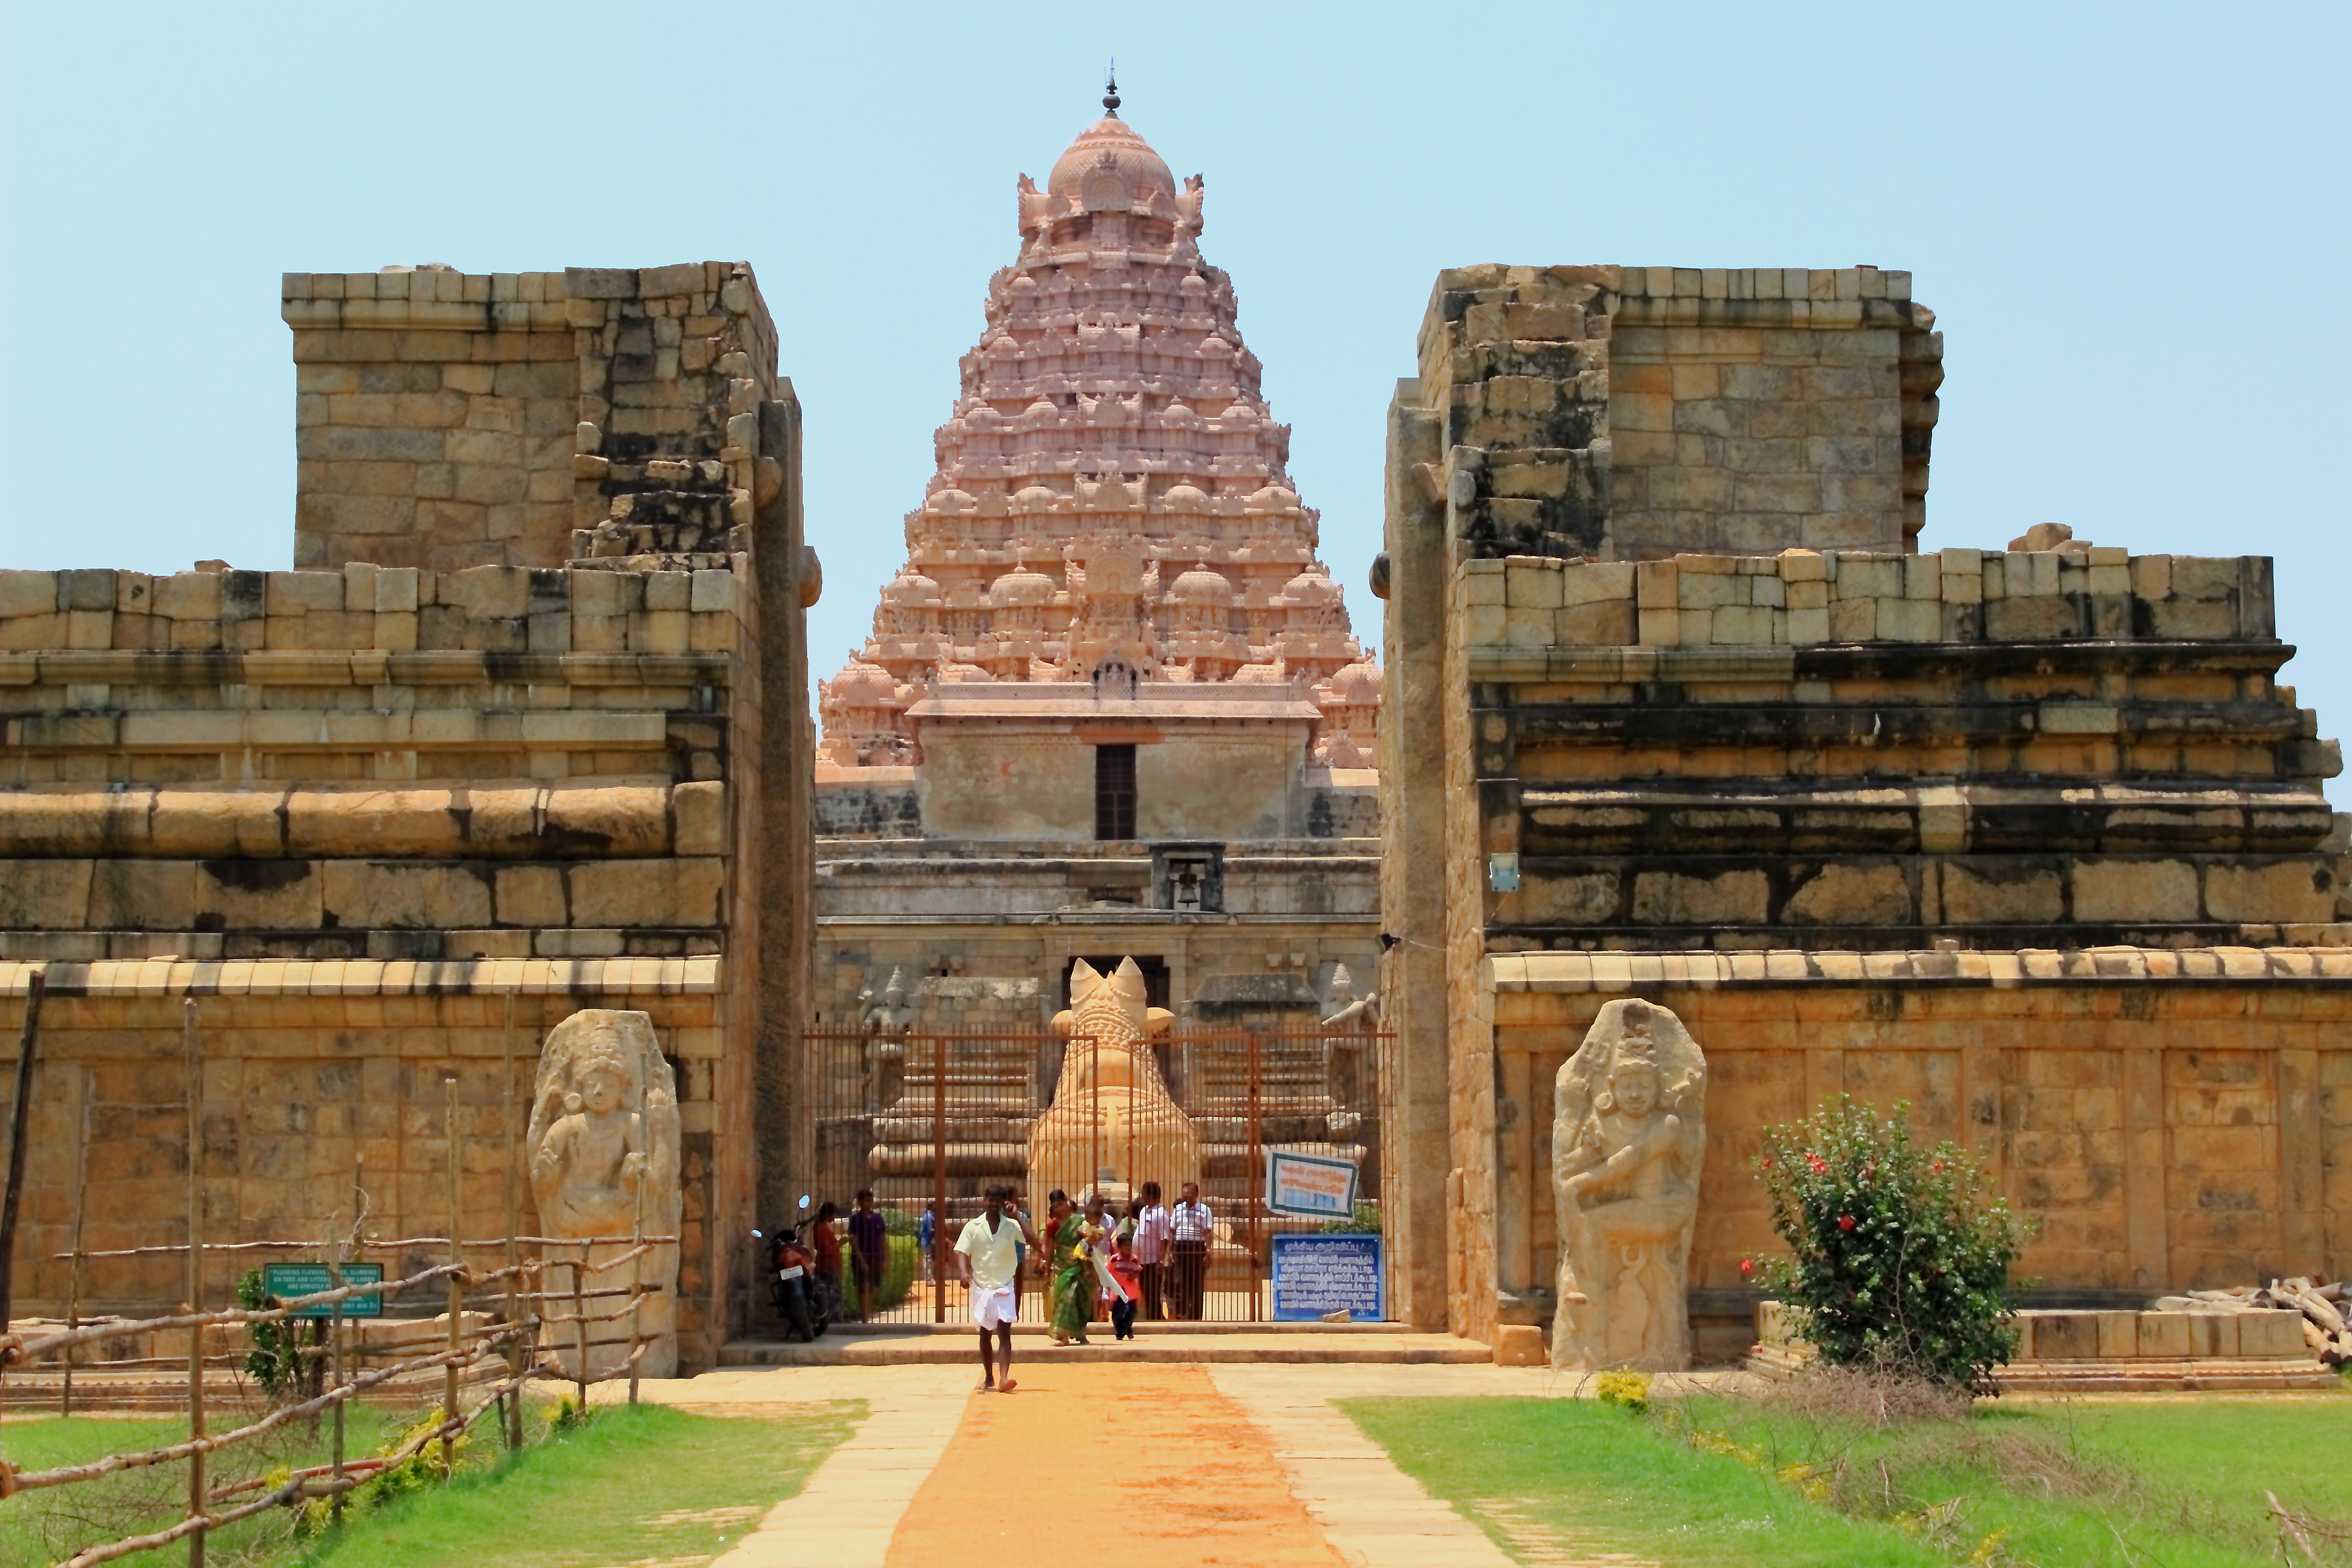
x=790, y=1266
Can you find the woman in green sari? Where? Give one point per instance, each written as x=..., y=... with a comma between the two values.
x=1072, y=1301
x=1064, y=1226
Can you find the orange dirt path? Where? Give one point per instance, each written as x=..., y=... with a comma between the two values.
x=1137, y=1466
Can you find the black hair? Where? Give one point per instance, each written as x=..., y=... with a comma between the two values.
x=828, y=1210
x=1058, y=1196
x=866, y=1192
x=1151, y=1189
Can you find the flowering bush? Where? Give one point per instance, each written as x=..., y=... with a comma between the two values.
x=1901, y=1256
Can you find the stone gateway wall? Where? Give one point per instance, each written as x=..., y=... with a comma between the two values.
x=2032, y=838
x=527, y=730
x=2168, y=1122
x=316, y=1072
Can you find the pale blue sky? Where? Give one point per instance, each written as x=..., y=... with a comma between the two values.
x=2130, y=220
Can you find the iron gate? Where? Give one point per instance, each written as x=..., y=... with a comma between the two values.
x=928, y=1120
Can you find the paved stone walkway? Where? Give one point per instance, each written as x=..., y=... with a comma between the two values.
x=938, y=1475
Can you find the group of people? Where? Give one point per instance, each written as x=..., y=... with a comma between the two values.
x=1095, y=1263
x=869, y=1249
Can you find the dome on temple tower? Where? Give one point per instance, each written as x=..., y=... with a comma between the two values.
x=1110, y=168
x=1110, y=482
x=1021, y=587
x=1201, y=587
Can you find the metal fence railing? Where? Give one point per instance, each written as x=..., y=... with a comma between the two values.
x=929, y=1121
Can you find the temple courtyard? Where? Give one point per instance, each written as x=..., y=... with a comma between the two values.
x=1435, y=1466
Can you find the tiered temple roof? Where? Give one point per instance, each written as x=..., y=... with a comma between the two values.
x=1112, y=505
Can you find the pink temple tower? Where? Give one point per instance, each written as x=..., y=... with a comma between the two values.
x=1112, y=531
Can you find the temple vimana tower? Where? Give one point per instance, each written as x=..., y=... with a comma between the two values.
x=1672, y=705
x=1111, y=707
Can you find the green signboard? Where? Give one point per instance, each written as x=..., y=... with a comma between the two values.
x=288, y=1280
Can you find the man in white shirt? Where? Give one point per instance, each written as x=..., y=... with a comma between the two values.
x=1190, y=1229
x=988, y=1256
x=1152, y=1248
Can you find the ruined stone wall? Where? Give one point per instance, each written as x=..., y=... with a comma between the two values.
x=314, y=1071
x=2044, y=803
x=533, y=712
x=447, y=419
x=2012, y=748
x=1627, y=413
x=2168, y=1121
x=369, y=762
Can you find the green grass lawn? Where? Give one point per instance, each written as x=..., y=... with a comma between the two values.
x=50, y=1524
x=2177, y=1483
x=633, y=1484
x=1573, y=1472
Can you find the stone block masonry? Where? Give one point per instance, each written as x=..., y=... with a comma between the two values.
x=1627, y=413
x=447, y=419
x=314, y=1071
x=500, y=739
x=2032, y=838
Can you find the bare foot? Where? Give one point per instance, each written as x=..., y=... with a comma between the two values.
x=1009, y=1386
x=986, y=1388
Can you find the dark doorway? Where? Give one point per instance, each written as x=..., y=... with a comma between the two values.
x=1115, y=792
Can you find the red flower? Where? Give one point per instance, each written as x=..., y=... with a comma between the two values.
x=1845, y=1221
x=1935, y=1167
x=1866, y=1172
x=1747, y=1266
x=1815, y=1163
x=1768, y=1161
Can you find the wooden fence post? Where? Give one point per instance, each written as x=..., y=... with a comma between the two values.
x=457, y=1286
x=81, y=1208
x=196, y=1060
x=512, y=1399
x=580, y=1326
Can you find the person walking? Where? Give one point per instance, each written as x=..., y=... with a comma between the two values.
x=869, y=1250
x=927, y=1239
x=1070, y=1299
x=1190, y=1231
x=988, y=1258
x=1151, y=1249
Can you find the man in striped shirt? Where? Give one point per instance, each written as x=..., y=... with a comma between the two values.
x=1190, y=1229
x=1151, y=1249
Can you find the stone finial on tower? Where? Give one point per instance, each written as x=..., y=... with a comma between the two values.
x=1110, y=90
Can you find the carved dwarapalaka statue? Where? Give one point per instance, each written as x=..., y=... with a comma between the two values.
x=1629, y=1132
x=603, y=1144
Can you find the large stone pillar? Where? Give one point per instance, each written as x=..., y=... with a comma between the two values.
x=785, y=849
x=1413, y=879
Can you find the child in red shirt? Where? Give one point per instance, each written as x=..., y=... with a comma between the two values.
x=1129, y=1274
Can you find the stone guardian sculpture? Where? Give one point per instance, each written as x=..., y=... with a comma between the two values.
x=603, y=1144
x=1629, y=1132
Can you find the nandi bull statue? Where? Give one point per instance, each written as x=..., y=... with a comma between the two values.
x=1112, y=1125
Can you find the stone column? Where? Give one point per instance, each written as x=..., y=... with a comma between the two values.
x=1413, y=879
x=784, y=853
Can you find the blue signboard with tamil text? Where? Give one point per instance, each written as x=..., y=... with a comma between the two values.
x=1315, y=1276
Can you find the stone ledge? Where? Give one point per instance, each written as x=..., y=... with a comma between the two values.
x=452, y=666
x=1610, y=972
x=370, y=977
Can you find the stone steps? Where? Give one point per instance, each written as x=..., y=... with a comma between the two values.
x=1260, y=1343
